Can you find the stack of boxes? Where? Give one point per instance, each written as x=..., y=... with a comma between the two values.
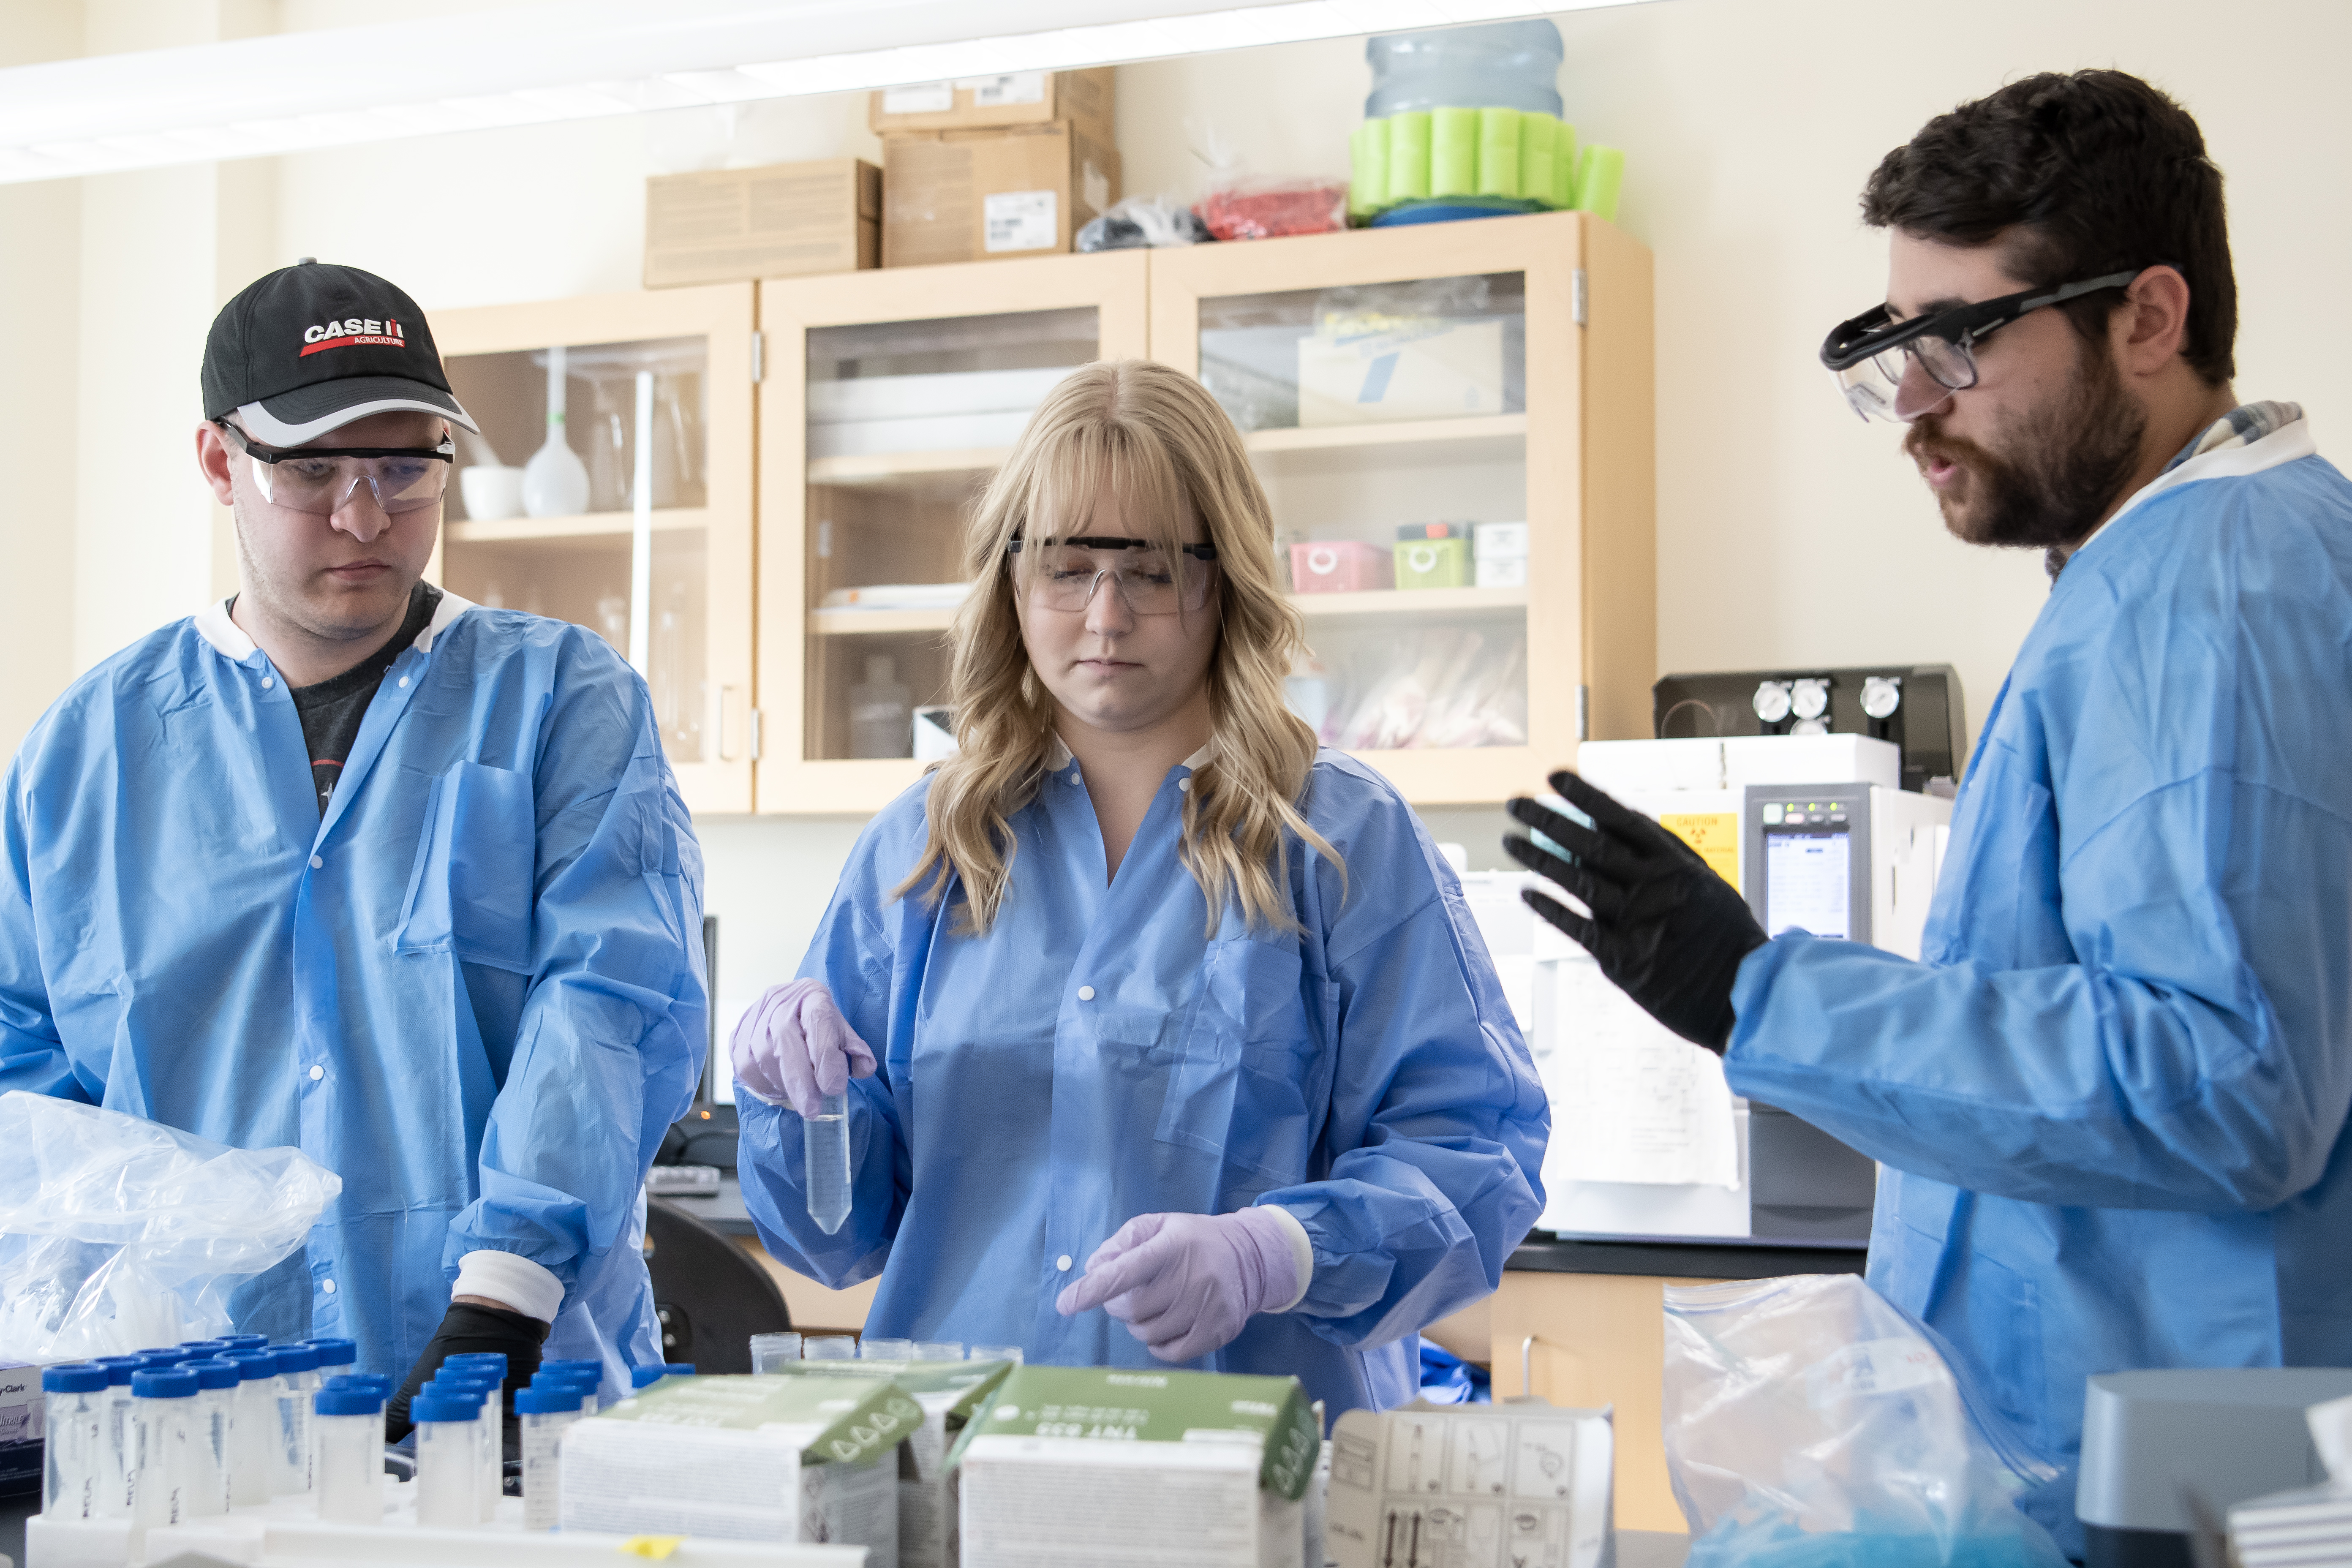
x=977, y=170
x=993, y=167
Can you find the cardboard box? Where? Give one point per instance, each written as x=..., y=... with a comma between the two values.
x=1471, y=1486
x=948, y=1392
x=1433, y=564
x=1088, y=1467
x=724, y=225
x=1432, y=370
x=745, y=1459
x=993, y=103
x=23, y=1408
x=987, y=196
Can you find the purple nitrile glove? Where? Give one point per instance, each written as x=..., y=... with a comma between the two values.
x=1185, y=1283
x=794, y=1048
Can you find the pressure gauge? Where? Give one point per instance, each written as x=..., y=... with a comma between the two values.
x=1772, y=702
x=1881, y=695
x=1811, y=698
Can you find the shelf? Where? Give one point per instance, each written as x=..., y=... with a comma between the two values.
x=1325, y=437
x=597, y=525
x=869, y=623
x=884, y=466
x=1314, y=606
x=1409, y=602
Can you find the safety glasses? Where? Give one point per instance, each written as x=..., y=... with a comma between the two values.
x=1063, y=573
x=1869, y=355
x=324, y=480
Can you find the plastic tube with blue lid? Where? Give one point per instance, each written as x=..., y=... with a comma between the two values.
x=448, y=1459
x=73, y=1463
x=348, y=1426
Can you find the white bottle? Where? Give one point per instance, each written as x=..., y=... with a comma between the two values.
x=881, y=713
x=347, y=1427
x=162, y=1408
x=555, y=482
x=253, y=1429
x=297, y=1379
x=545, y=1414
x=448, y=1461
x=74, y=1437
x=214, y=1418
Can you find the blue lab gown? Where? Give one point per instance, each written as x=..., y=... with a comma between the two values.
x=2111, y=1100
x=473, y=991
x=1365, y=1075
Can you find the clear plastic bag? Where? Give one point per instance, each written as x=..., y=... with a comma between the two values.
x=1811, y=1423
x=117, y=1233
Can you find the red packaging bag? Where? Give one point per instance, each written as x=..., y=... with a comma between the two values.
x=1268, y=209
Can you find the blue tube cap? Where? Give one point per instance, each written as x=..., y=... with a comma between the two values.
x=253, y=1366
x=76, y=1378
x=438, y=1407
x=296, y=1358
x=573, y=1365
x=470, y=1358
x=335, y=1353
x=547, y=1401
x=249, y=1342
x=346, y=1402
x=214, y=1373
x=118, y=1368
x=172, y=1383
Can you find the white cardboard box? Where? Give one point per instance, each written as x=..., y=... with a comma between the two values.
x=1516, y=1485
x=1440, y=370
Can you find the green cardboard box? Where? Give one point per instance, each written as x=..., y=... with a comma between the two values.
x=949, y=1393
x=1434, y=564
x=1097, y=1466
x=745, y=1459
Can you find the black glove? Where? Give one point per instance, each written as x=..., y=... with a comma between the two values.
x=1664, y=926
x=470, y=1330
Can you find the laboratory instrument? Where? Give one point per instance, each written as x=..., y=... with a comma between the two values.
x=770, y=1351
x=825, y=1153
x=297, y=1379
x=74, y=1417
x=545, y=1414
x=162, y=1404
x=215, y=1427
x=1918, y=707
x=348, y=1426
x=253, y=1427
x=448, y=1460
x=2222, y=1434
x=555, y=482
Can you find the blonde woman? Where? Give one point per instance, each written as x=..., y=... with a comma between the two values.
x=1163, y=1034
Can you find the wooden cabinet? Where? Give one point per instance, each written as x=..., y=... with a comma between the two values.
x=891, y=397
x=657, y=396
x=1490, y=372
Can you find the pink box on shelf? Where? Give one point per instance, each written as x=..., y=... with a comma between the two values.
x=1341, y=566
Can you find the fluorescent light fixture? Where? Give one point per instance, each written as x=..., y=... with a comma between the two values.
x=290, y=92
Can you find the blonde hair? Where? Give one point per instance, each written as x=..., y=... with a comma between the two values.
x=1155, y=441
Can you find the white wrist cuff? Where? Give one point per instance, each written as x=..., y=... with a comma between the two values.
x=510, y=1277
x=1301, y=1250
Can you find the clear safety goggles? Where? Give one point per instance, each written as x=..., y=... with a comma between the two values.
x=325, y=479
x=1063, y=573
x=1870, y=357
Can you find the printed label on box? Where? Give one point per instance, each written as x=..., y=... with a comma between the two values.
x=919, y=98
x=996, y=91
x=1020, y=220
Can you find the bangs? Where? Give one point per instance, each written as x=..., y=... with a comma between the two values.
x=1088, y=461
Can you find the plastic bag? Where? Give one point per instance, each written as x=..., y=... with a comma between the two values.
x=1268, y=209
x=118, y=1233
x=1137, y=223
x=1811, y=1423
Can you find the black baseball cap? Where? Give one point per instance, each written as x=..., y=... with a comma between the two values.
x=311, y=346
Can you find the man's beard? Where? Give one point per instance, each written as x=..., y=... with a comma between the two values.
x=2058, y=472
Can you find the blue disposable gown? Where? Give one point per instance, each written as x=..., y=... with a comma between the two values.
x=473, y=991
x=2113, y=1099
x=1365, y=1075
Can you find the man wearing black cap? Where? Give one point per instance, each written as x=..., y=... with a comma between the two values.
x=349, y=863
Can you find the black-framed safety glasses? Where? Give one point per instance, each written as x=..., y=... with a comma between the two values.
x=323, y=480
x=1869, y=355
x=1063, y=573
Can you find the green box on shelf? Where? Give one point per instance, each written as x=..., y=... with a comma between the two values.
x=1434, y=564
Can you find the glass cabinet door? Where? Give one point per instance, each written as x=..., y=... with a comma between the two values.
x=893, y=419
x=1413, y=401
x=611, y=487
